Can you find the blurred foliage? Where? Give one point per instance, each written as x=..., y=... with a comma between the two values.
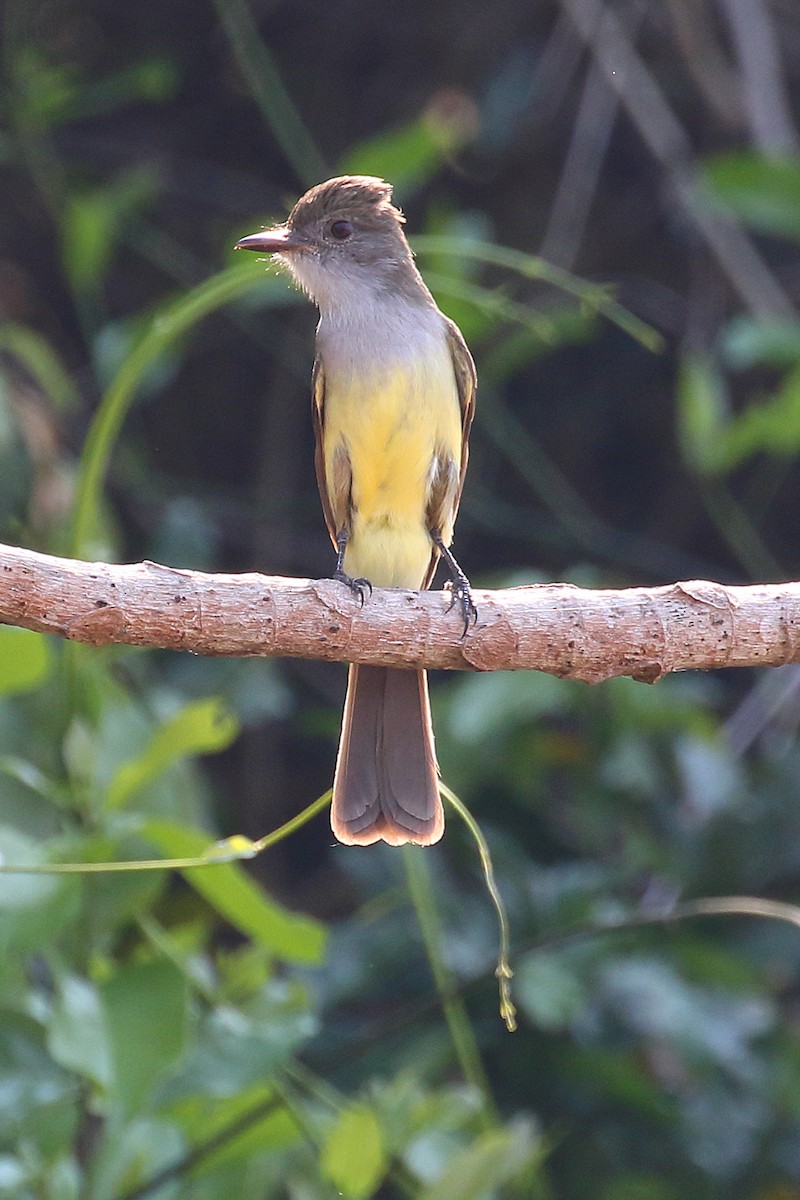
x=324, y=1021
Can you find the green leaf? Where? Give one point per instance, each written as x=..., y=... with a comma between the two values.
x=549, y=990
x=25, y=660
x=750, y=342
x=353, y=1156
x=648, y=1187
x=489, y=302
x=701, y=413
x=40, y=360
x=152, y=81
x=236, y=897
x=489, y=706
x=117, y=898
x=44, y=90
x=200, y=728
x=492, y=1160
x=31, y=777
x=23, y=891
x=77, y=1037
x=764, y=193
x=407, y=155
x=619, y=1077
x=91, y=222
x=145, y=1015
x=238, y=1048
x=257, y=1111
x=38, y=1094
x=14, y=1175
x=34, y=909
x=592, y=296
x=520, y=347
x=129, y=1154
x=771, y=426
x=62, y=1178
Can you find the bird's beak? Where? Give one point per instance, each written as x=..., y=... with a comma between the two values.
x=271, y=241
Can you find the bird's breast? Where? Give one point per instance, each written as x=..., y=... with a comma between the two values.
x=392, y=419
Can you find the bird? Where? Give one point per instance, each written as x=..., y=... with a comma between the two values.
x=393, y=399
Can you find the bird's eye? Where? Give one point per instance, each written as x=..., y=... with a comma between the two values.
x=340, y=231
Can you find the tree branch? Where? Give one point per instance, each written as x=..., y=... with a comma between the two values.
x=564, y=630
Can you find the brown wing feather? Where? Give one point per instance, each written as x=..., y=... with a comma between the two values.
x=318, y=417
x=467, y=386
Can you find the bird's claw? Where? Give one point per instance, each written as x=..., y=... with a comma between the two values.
x=461, y=595
x=361, y=588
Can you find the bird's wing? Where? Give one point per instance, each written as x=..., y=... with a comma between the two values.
x=447, y=485
x=467, y=385
x=318, y=417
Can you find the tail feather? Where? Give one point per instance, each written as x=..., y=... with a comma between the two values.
x=387, y=781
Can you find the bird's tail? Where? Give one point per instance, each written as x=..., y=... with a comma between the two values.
x=387, y=780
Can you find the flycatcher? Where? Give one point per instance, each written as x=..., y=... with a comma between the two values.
x=393, y=400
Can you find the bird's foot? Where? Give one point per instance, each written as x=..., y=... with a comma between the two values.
x=361, y=588
x=461, y=592
x=461, y=597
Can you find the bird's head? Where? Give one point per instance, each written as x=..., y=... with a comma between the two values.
x=343, y=242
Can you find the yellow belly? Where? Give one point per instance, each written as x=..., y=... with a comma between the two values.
x=391, y=422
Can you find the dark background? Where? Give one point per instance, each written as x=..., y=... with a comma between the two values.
x=653, y=148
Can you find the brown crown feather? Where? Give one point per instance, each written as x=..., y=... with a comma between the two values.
x=360, y=198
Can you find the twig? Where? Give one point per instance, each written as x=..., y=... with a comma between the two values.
x=763, y=88
x=696, y=31
x=267, y=89
x=588, y=145
x=669, y=144
x=567, y=631
x=420, y=886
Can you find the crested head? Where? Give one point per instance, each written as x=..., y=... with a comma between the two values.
x=362, y=199
x=344, y=244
